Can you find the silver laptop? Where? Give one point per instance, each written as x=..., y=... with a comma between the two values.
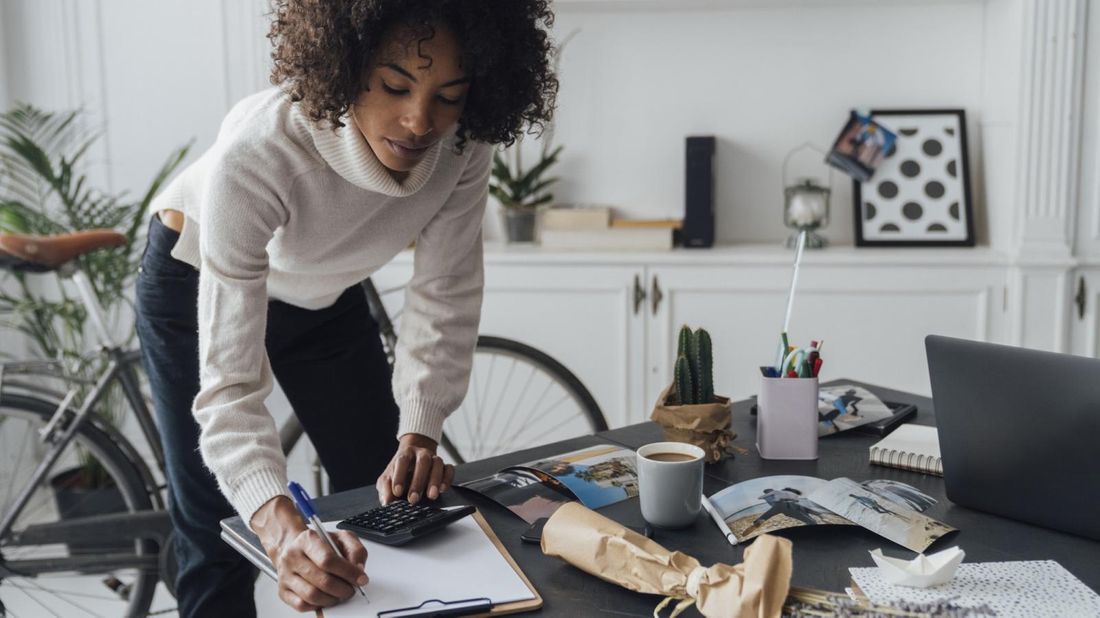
x=1019, y=432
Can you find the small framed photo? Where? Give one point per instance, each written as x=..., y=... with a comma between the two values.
x=920, y=194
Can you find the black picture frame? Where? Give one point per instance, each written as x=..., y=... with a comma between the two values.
x=951, y=225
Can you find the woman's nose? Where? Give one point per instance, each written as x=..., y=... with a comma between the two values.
x=417, y=120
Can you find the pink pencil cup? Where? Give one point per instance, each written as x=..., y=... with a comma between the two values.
x=786, y=418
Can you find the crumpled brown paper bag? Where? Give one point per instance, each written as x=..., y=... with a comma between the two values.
x=706, y=425
x=589, y=541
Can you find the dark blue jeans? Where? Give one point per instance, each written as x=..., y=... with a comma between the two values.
x=333, y=370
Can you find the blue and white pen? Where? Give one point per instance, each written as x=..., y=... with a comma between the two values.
x=305, y=505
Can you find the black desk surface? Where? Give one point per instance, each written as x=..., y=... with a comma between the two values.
x=822, y=554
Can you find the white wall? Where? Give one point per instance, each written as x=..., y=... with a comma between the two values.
x=763, y=80
x=1088, y=220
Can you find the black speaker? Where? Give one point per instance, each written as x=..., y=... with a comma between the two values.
x=698, y=230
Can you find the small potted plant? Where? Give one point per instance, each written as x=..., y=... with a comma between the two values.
x=688, y=409
x=521, y=192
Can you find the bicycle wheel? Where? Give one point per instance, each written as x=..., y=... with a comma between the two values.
x=519, y=397
x=42, y=576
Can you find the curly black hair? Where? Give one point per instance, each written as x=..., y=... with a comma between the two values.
x=323, y=48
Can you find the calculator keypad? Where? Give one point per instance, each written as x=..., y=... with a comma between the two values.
x=394, y=516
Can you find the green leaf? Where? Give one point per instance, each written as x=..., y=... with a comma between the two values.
x=44, y=189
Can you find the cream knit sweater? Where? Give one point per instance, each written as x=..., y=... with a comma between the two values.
x=280, y=208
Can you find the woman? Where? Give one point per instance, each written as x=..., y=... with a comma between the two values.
x=379, y=136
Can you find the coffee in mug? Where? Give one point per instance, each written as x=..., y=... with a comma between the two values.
x=669, y=457
x=670, y=483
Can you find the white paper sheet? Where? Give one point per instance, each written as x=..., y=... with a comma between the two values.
x=459, y=562
x=1027, y=589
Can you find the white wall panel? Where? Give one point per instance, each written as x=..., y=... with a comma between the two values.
x=763, y=80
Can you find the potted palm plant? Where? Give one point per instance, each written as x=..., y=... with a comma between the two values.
x=521, y=192
x=44, y=190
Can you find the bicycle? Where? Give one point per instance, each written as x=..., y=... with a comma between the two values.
x=61, y=536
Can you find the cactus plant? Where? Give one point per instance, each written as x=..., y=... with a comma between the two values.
x=694, y=370
x=682, y=345
x=704, y=361
x=685, y=387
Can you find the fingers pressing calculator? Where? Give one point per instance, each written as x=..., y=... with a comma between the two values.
x=399, y=522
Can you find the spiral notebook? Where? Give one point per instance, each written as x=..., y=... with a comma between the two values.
x=910, y=447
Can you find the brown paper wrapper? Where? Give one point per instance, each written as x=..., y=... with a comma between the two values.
x=589, y=541
x=705, y=425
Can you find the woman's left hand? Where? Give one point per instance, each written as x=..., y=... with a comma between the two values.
x=415, y=471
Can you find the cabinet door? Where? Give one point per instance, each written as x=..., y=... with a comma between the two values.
x=872, y=320
x=1086, y=316
x=582, y=315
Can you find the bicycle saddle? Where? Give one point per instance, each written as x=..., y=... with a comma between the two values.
x=30, y=253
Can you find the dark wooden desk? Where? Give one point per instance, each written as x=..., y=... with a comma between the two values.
x=822, y=554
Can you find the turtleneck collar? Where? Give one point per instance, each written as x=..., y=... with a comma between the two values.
x=347, y=152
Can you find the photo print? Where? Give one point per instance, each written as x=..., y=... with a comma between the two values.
x=861, y=146
x=920, y=194
x=846, y=406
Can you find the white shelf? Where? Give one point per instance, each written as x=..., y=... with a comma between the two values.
x=748, y=254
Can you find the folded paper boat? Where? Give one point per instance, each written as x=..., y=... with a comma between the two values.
x=922, y=571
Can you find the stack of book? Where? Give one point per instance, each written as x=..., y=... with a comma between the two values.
x=593, y=228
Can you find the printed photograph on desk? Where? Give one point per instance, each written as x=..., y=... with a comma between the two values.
x=845, y=406
x=595, y=476
x=771, y=503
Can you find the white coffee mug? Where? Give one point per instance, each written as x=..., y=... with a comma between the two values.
x=670, y=483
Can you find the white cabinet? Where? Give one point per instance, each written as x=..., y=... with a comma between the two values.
x=613, y=319
x=872, y=318
x=1085, y=320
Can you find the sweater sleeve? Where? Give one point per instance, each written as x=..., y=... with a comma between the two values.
x=438, y=331
x=238, y=441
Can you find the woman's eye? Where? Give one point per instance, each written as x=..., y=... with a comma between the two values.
x=445, y=100
x=392, y=90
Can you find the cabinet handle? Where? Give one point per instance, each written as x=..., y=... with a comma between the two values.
x=639, y=294
x=1080, y=298
x=657, y=295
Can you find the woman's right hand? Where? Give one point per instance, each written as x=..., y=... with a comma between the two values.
x=311, y=574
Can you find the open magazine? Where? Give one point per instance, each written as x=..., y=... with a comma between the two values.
x=595, y=476
x=845, y=406
x=771, y=503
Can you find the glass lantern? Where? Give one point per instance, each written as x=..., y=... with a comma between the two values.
x=806, y=208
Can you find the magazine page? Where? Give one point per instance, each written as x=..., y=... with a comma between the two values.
x=885, y=516
x=772, y=503
x=528, y=495
x=597, y=475
x=845, y=406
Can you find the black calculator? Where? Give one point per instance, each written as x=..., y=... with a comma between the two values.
x=399, y=522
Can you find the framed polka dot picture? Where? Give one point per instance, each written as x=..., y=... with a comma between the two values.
x=920, y=193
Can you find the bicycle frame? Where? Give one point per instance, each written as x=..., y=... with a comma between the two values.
x=59, y=432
